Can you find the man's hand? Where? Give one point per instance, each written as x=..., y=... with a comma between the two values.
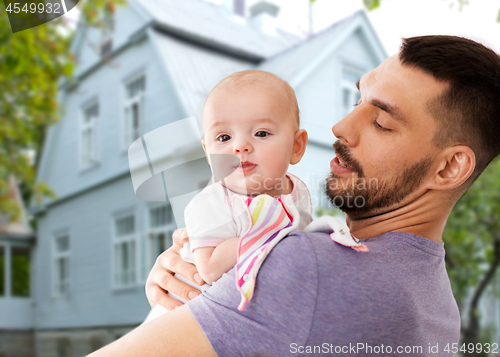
x=161, y=279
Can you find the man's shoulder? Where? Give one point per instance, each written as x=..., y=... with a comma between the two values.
x=302, y=245
x=299, y=245
x=301, y=256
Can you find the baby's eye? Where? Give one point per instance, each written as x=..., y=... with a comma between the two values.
x=223, y=138
x=261, y=134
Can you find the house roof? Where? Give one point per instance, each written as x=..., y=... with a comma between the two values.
x=196, y=69
x=291, y=63
x=200, y=44
x=205, y=22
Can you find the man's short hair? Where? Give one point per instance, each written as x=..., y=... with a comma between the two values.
x=468, y=112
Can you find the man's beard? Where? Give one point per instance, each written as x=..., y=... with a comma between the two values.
x=359, y=196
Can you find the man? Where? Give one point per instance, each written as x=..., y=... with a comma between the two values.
x=426, y=126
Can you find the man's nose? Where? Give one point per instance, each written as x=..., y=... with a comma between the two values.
x=347, y=130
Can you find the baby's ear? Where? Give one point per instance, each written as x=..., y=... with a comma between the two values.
x=205, y=149
x=299, y=146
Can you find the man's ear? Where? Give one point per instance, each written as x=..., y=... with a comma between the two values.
x=205, y=149
x=456, y=166
x=299, y=146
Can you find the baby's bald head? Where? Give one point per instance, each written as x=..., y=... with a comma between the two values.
x=264, y=80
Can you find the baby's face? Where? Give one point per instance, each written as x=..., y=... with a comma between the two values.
x=258, y=126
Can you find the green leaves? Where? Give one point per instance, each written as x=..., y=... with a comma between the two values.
x=471, y=230
x=32, y=62
x=371, y=4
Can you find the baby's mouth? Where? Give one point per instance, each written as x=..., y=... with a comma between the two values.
x=246, y=166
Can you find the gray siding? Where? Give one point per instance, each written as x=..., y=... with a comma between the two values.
x=127, y=20
x=62, y=168
x=320, y=96
x=88, y=218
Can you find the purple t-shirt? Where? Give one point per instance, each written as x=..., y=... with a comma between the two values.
x=316, y=297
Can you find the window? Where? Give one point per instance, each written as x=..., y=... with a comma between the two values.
x=161, y=228
x=63, y=347
x=61, y=266
x=106, y=47
x=20, y=271
x=350, y=94
x=96, y=342
x=88, y=143
x=2, y=271
x=124, y=252
x=134, y=109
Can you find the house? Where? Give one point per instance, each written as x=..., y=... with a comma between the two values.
x=154, y=64
x=16, y=284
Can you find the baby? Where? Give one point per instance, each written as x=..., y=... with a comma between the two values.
x=253, y=118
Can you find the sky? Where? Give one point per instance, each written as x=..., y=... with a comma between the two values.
x=396, y=19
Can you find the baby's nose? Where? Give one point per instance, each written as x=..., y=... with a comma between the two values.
x=242, y=146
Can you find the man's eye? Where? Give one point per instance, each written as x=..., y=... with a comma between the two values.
x=380, y=127
x=261, y=134
x=223, y=138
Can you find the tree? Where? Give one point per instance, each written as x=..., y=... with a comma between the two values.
x=472, y=237
x=32, y=64
x=375, y=4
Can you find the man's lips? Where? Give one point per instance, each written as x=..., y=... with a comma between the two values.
x=338, y=169
x=246, y=167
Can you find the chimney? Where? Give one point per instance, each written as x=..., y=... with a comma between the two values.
x=264, y=15
x=235, y=7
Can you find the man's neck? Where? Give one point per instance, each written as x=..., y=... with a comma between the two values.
x=425, y=216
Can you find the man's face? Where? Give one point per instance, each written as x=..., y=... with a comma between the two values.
x=386, y=142
x=256, y=125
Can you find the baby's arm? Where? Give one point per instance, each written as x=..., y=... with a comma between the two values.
x=212, y=262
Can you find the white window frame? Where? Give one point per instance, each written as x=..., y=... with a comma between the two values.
x=132, y=241
x=58, y=292
x=91, y=158
x=346, y=85
x=130, y=134
x=6, y=270
x=152, y=232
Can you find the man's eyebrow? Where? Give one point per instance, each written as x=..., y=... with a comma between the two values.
x=393, y=111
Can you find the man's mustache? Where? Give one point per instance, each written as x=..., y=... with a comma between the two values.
x=342, y=152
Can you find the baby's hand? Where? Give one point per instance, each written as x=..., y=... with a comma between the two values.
x=161, y=279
